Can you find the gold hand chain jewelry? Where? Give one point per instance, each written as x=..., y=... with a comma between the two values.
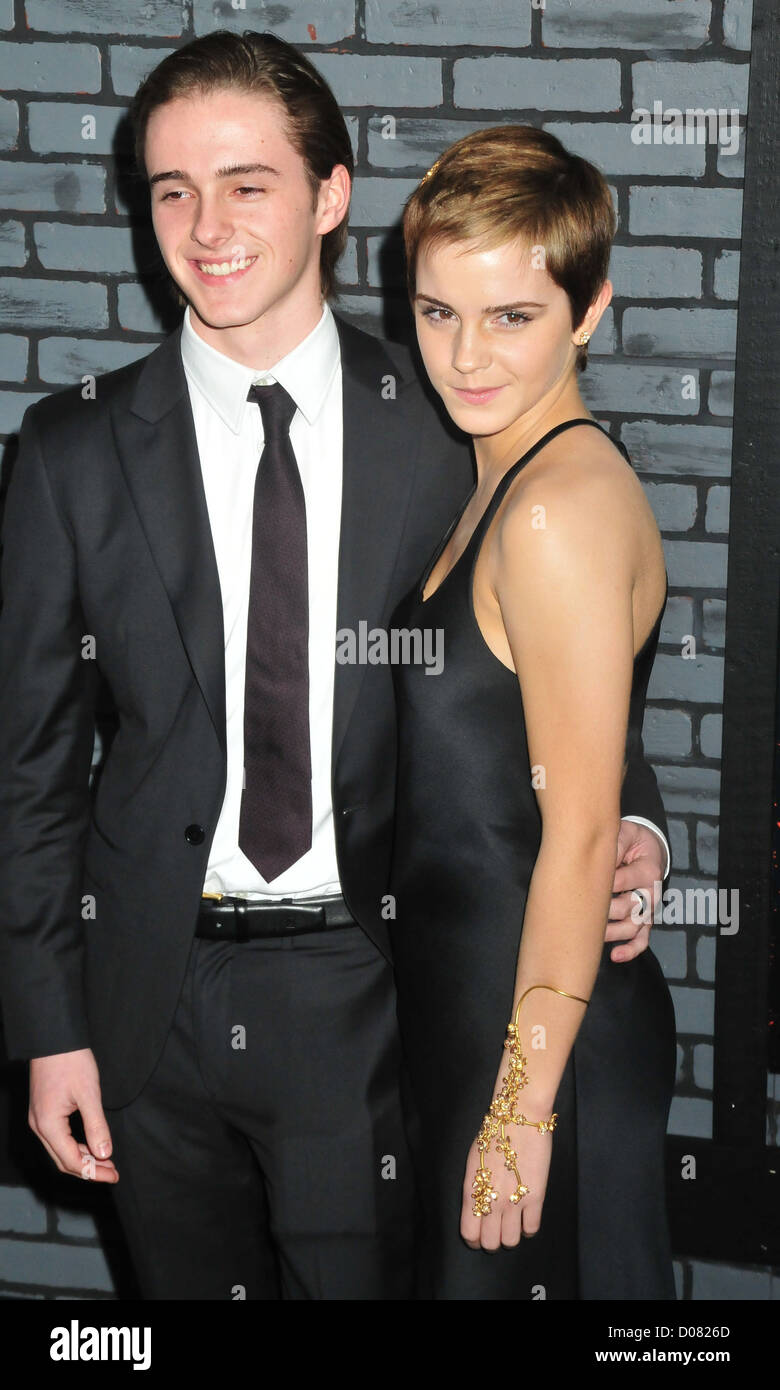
x=502, y=1112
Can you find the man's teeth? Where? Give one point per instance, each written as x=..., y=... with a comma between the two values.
x=225, y=267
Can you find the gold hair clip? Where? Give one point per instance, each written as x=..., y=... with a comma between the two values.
x=434, y=166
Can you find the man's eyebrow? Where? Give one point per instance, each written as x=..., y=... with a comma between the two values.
x=230, y=169
x=490, y=308
x=227, y=172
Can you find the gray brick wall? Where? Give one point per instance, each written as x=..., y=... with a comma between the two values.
x=49, y=1251
x=660, y=377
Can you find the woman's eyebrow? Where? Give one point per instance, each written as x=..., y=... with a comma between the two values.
x=490, y=309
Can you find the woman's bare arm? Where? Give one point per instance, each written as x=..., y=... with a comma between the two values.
x=565, y=596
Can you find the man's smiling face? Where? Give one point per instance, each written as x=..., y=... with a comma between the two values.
x=235, y=215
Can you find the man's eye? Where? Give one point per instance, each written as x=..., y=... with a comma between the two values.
x=174, y=194
x=246, y=189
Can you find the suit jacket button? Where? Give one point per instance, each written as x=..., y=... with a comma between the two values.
x=194, y=834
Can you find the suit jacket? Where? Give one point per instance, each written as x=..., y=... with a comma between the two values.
x=107, y=537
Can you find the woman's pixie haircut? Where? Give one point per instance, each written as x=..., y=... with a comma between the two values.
x=517, y=182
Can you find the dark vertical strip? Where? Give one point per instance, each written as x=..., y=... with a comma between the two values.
x=750, y=693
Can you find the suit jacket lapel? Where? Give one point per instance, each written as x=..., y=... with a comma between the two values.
x=377, y=473
x=158, y=451
x=157, y=447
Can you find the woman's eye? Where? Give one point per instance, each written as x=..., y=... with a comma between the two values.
x=514, y=317
x=436, y=313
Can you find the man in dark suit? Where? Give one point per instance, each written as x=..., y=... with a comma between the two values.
x=198, y=963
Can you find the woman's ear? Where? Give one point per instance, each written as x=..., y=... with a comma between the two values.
x=587, y=328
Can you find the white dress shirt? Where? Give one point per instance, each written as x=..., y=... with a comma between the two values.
x=229, y=432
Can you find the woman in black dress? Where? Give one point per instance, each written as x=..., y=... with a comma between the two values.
x=540, y=1153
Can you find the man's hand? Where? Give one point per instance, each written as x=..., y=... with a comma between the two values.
x=59, y=1085
x=640, y=866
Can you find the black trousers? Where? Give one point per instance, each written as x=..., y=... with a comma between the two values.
x=266, y=1157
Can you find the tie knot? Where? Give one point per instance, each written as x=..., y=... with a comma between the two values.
x=277, y=408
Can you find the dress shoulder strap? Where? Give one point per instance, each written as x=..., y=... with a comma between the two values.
x=512, y=472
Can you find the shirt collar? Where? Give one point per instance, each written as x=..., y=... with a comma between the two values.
x=306, y=372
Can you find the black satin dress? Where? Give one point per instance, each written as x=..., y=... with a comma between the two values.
x=468, y=831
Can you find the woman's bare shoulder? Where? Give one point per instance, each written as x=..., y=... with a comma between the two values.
x=581, y=481
x=579, y=517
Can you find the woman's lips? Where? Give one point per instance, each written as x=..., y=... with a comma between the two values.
x=481, y=397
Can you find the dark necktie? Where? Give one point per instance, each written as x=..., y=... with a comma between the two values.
x=275, y=825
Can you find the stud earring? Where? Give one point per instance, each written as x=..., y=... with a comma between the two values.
x=584, y=338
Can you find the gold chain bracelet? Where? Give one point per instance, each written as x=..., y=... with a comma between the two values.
x=503, y=1111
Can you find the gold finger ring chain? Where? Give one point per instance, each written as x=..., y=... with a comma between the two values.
x=503, y=1111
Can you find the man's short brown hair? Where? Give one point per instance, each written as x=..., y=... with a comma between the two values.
x=518, y=182
x=269, y=67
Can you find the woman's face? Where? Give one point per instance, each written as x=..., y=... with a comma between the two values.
x=494, y=330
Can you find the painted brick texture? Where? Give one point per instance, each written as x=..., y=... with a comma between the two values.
x=75, y=247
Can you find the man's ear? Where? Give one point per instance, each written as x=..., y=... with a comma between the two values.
x=333, y=202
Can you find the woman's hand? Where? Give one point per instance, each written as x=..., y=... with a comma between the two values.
x=508, y=1221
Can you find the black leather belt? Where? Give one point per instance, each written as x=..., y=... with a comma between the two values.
x=242, y=919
